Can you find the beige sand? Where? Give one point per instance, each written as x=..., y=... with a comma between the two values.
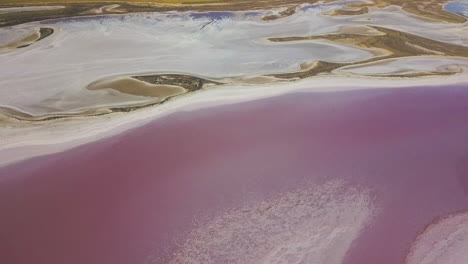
x=21, y=43
x=133, y=86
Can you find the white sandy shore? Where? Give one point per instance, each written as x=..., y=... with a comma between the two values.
x=416, y=64
x=23, y=141
x=5, y=10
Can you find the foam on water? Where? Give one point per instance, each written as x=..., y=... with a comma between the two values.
x=309, y=225
x=445, y=241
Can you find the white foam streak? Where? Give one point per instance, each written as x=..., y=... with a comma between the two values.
x=310, y=225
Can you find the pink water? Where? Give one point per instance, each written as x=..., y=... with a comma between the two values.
x=135, y=198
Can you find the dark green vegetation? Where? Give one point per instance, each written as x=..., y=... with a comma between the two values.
x=45, y=32
x=188, y=82
x=345, y=12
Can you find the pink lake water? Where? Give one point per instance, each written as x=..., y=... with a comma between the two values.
x=353, y=177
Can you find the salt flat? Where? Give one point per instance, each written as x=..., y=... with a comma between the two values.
x=27, y=8
x=51, y=76
x=83, y=50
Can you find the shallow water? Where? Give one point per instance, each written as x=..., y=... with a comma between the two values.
x=458, y=7
x=207, y=181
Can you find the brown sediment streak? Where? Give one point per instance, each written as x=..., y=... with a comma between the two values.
x=45, y=32
x=7, y=113
x=82, y=8
x=318, y=68
x=431, y=9
x=188, y=82
x=27, y=41
x=285, y=13
x=346, y=12
x=133, y=86
x=397, y=44
x=162, y=87
x=11, y=114
x=104, y=9
x=321, y=68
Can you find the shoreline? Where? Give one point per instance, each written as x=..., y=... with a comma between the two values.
x=25, y=141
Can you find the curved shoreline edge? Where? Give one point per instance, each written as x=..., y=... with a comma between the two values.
x=19, y=138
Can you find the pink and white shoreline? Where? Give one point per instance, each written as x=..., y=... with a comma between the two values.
x=23, y=142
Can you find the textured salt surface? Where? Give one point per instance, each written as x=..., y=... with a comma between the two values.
x=4, y=10
x=308, y=225
x=394, y=161
x=213, y=44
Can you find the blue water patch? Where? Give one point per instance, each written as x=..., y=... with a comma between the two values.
x=253, y=14
x=212, y=15
x=457, y=7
